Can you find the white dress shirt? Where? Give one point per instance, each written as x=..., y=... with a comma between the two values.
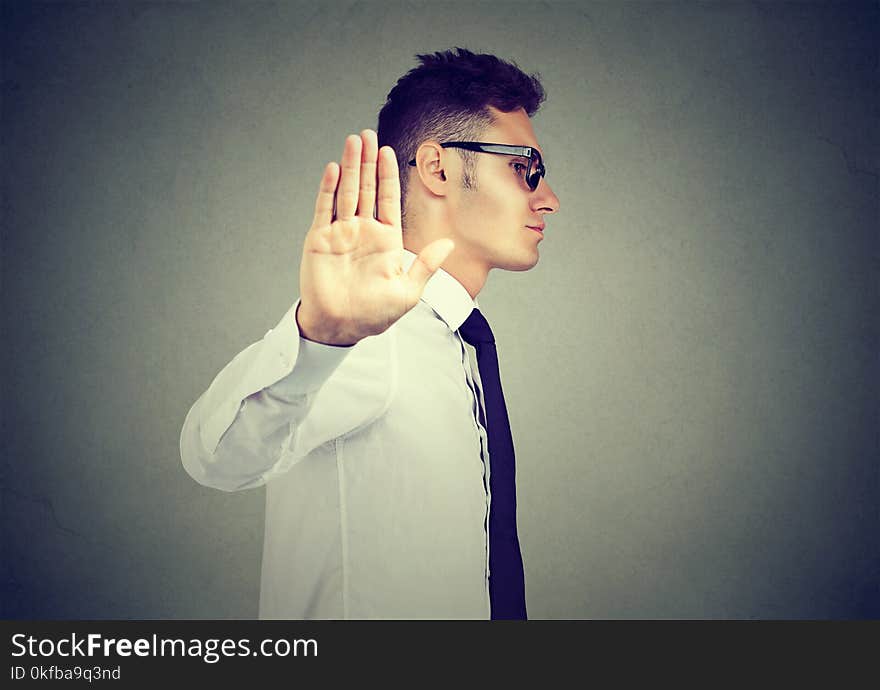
x=373, y=459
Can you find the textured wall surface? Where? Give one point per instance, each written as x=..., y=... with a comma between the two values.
x=691, y=369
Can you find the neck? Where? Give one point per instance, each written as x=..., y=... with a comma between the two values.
x=470, y=273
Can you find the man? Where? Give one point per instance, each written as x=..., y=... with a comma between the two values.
x=363, y=411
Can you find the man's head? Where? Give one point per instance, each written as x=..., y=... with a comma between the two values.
x=447, y=98
x=485, y=201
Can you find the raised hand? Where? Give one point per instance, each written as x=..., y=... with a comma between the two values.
x=352, y=282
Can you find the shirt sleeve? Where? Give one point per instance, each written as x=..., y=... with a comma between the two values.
x=278, y=400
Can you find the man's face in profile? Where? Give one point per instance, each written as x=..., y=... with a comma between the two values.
x=499, y=222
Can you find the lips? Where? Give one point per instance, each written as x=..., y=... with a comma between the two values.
x=536, y=228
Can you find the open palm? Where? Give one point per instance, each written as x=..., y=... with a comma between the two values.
x=352, y=282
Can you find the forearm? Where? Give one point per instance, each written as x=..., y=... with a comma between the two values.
x=252, y=445
x=238, y=430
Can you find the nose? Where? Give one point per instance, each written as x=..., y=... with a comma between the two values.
x=543, y=199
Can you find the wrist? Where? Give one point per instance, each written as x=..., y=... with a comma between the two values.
x=320, y=330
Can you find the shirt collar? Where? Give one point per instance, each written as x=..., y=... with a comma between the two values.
x=445, y=295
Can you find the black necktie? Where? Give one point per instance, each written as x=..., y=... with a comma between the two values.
x=506, y=578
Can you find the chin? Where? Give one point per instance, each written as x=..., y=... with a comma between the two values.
x=523, y=263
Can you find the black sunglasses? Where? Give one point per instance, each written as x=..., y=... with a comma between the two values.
x=534, y=172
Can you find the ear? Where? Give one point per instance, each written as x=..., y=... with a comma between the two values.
x=432, y=167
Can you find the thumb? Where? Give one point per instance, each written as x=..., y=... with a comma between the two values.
x=427, y=263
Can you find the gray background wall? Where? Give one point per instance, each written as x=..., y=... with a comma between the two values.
x=691, y=369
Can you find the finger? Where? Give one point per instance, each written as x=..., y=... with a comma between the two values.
x=427, y=263
x=326, y=193
x=389, y=188
x=367, y=197
x=347, y=194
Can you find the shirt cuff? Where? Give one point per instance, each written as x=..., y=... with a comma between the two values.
x=315, y=362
